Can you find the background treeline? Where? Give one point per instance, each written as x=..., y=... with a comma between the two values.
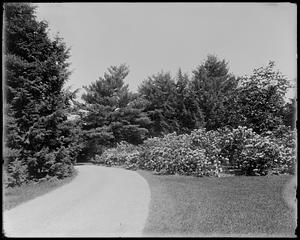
x=198, y=125
x=42, y=141
x=211, y=98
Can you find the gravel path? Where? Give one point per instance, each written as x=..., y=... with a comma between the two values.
x=99, y=202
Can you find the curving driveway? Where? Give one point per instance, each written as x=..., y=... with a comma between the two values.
x=99, y=202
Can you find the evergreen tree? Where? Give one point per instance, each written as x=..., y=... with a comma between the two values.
x=212, y=85
x=113, y=112
x=160, y=91
x=189, y=114
x=109, y=90
x=36, y=69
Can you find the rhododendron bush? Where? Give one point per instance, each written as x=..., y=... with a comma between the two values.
x=254, y=154
x=204, y=153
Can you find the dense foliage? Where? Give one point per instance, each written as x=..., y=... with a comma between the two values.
x=114, y=114
x=214, y=98
x=172, y=104
x=205, y=153
x=39, y=141
x=213, y=85
x=222, y=120
x=243, y=123
x=193, y=125
x=259, y=102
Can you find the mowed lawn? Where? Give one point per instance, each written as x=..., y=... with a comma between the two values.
x=228, y=206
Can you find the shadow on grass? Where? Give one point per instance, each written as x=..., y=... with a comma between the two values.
x=13, y=197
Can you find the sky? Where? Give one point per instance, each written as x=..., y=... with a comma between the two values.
x=155, y=37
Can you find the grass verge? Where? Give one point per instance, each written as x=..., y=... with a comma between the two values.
x=12, y=197
x=232, y=206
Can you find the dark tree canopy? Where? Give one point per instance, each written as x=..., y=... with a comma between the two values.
x=36, y=70
x=109, y=90
x=213, y=85
x=114, y=113
x=160, y=91
x=41, y=141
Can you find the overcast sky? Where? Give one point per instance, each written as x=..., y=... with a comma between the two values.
x=150, y=37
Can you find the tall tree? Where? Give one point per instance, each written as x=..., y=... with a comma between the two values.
x=188, y=112
x=259, y=101
x=113, y=112
x=109, y=90
x=36, y=70
x=212, y=85
x=160, y=91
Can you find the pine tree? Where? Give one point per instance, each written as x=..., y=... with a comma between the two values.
x=109, y=90
x=36, y=70
x=160, y=91
x=213, y=85
x=114, y=113
x=189, y=114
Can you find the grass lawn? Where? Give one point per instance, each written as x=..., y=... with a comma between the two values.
x=229, y=206
x=17, y=195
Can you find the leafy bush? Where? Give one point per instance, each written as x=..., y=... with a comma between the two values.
x=182, y=154
x=124, y=154
x=16, y=174
x=61, y=170
x=285, y=138
x=254, y=154
x=168, y=155
x=203, y=153
x=208, y=141
x=258, y=156
x=232, y=142
x=15, y=171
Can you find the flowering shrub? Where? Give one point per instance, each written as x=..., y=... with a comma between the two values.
x=125, y=154
x=168, y=155
x=232, y=142
x=285, y=140
x=258, y=156
x=254, y=154
x=203, y=153
x=209, y=142
x=175, y=154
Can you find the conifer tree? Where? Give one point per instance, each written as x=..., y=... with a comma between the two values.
x=114, y=112
x=36, y=70
x=212, y=85
x=160, y=91
x=189, y=114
